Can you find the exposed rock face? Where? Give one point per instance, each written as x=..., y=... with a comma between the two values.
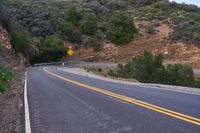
x=7, y=55
x=4, y=39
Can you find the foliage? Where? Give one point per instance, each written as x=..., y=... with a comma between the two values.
x=188, y=27
x=51, y=49
x=71, y=15
x=149, y=68
x=69, y=26
x=89, y=24
x=185, y=18
x=157, y=10
x=6, y=76
x=20, y=41
x=120, y=29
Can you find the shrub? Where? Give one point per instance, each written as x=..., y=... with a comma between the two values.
x=179, y=75
x=20, y=41
x=95, y=44
x=67, y=28
x=6, y=76
x=51, y=49
x=89, y=24
x=149, y=68
x=71, y=15
x=120, y=29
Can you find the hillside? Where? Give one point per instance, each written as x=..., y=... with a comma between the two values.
x=12, y=69
x=170, y=28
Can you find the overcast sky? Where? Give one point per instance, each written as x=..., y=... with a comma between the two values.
x=195, y=2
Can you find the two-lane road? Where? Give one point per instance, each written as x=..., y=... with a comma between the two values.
x=61, y=102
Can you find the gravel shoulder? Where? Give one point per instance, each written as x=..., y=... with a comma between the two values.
x=11, y=106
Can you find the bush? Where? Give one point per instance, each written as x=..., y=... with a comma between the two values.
x=95, y=44
x=71, y=15
x=6, y=76
x=20, y=41
x=89, y=24
x=51, y=49
x=120, y=29
x=149, y=68
x=67, y=28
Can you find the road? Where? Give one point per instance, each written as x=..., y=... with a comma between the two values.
x=61, y=102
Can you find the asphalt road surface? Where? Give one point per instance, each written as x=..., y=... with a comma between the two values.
x=61, y=102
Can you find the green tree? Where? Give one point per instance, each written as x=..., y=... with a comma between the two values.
x=67, y=28
x=20, y=41
x=120, y=29
x=89, y=24
x=51, y=49
x=71, y=15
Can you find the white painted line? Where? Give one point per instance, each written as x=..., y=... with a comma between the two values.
x=26, y=108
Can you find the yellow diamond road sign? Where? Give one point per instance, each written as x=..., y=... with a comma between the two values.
x=70, y=52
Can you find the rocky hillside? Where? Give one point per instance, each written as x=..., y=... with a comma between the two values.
x=170, y=28
x=9, y=101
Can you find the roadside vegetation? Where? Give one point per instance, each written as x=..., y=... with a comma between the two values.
x=20, y=41
x=149, y=68
x=6, y=76
x=89, y=23
x=49, y=49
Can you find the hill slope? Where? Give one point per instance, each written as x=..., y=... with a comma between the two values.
x=163, y=26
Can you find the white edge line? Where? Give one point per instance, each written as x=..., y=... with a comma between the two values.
x=26, y=108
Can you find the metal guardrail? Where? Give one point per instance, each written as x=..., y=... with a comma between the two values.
x=59, y=63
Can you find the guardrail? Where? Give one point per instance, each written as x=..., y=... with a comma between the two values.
x=59, y=63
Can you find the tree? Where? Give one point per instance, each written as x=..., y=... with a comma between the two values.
x=120, y=29
x=50, y=49
x=20, y=41
x=71, y=15
x=89, y=24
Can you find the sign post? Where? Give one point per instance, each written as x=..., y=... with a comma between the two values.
x=70, y=52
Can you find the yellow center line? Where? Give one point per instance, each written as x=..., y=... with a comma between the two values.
x=162, y=110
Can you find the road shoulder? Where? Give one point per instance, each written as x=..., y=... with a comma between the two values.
x=82, y=72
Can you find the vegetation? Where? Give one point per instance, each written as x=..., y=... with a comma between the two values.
x=120, y=29
x=20, y=41
x=149, y=68
x=89, y=24
x=185, y=19
x=50, y=49
x=76, y=21
x=6, y=76
x=188, y=27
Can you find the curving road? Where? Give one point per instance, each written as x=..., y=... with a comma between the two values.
x=62, y=102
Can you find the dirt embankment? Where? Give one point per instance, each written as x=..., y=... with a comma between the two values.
x=10, y=100
x=155, y=40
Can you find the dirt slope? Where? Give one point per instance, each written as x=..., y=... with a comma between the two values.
x=9, y=101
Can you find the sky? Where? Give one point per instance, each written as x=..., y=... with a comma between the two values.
x=195, y=2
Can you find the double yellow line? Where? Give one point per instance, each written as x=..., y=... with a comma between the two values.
x=162, y=110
